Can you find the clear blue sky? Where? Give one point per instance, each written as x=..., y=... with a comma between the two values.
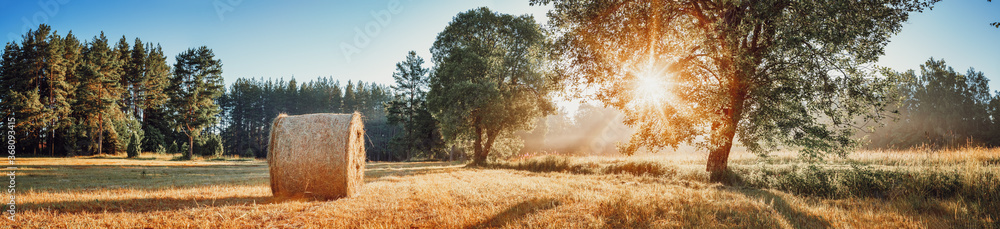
x=273, y=39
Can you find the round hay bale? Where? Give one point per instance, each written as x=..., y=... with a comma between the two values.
x=316, y=156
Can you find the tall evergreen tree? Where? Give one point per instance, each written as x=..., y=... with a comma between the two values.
x=151, y=98
x=409, y=108
x=57, y=88
x=99, y=92
x=65, y=133
x=194, y=87
x=134, y=72
x=350, y=101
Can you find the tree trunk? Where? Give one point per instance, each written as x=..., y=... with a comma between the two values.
x=479, y=157
x=100, y=134
x=190, y=146
x=52, y=143
x=718, y=158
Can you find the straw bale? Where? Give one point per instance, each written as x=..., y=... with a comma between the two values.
x=316, y=156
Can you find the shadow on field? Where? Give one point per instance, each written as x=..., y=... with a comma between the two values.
x=378, y=170
x=143, y=204
x=797, y=219
x=517, y=212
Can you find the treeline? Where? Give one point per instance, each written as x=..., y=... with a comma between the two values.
x=83, y=98
x=71, y=97
x=940, y=107
x=249, y=106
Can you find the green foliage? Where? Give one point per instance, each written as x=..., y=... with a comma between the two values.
x=551, y=163
x=194, y=88
x=134, y=146
x=209, y=145
x=36, y=76
x=249, y=106
x=489, y=78
x=773, y=72
x=940, y=108
x=422, y=136
x=173, y=148
x=641, y=168
x=184, y=149
x=98, y=93
x=129, y=135
x=160, y=149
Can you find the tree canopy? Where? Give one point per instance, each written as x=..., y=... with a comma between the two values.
x=940, y=107
x=489, y=78
x=766, y=73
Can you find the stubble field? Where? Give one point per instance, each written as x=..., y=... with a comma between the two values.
x=908, y=189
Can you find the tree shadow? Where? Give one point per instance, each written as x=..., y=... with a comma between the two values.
x=796, y=218
x=142, y=205
x=517, y=212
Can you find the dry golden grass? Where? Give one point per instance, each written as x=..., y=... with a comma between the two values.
x=156, y=193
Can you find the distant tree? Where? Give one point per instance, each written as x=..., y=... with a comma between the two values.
x=248, y=107
x=489, y=79
x=774, y=72
x=350, y=100
x=409, y=108
x=194, y=87
x=939, y=107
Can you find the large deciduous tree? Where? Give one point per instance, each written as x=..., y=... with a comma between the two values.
x=766, y=73
x=490, y=78
x=194, y=87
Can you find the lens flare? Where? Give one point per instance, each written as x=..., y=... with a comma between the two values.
x=652, y=89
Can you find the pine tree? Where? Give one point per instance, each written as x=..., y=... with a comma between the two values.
x=56, y=69
x=336, y=98
x=65, y=134
x=151, y=98
x=34, y=74
x=134, y=73
x=409, y=108
x=194, y=87
x=99, y=91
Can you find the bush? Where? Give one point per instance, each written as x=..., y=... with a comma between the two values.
x=126, y=135
x=135, y=146
x=160, y=149
x=865, y=182
x=208, y=145
x=641, y=168
x=173, y=148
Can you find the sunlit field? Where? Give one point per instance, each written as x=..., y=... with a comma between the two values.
x=909, y=189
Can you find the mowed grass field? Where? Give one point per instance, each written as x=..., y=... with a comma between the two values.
x=666, y=190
